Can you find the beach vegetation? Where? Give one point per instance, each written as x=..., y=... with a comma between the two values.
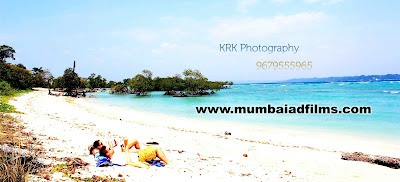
x=97, y=81
x=170, y=83
x=6, y=52
x=70, y=80
x=215, y=86
x=111, y=84
x=57, y=83
x=21, y=65
x=84, y=83
x=6, y=89
x=142, y=83
x=17, y=77
x=127, y=81
x=6, y=94
x=41, y=77
x=195, y=82
x=119, y=88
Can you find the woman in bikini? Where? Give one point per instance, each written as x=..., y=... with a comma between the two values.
x=103, y=154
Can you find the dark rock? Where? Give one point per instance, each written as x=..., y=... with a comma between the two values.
x=181, y=94
x=171, y=92
x=202, y=92
x=228, y=133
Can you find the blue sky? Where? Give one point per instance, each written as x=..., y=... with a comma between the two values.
x=120, y=39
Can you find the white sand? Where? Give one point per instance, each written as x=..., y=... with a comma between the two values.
x=67, y=126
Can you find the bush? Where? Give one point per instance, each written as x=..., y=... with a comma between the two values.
x=17, y=77
x=6, y=89
x=119, y=89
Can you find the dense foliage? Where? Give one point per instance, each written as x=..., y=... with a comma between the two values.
x=6, y=89
x=16, y=76
x=69, y=81
x=194, y=83
x=97, y=81
x=142, y=83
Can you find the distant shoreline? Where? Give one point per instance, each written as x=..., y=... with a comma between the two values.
x=362, y=78
x=283, y=82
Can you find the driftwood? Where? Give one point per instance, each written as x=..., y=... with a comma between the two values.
x=374, y=159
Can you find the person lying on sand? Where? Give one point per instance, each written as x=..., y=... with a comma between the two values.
x=145, y=155
x=104, y=154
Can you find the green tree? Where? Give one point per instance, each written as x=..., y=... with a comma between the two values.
x=6, y=52
x=111, y=84
x=216, y=86
x=84, y=83
x=170, y=83
x=97, y=81
x=21, y=65
x=17, y=77
x=194, y=81
x=70, y=80
x=142, y=83
x=119, y=88
x=42, y=77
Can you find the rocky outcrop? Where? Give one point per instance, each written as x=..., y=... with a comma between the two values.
x=202, y=92
x=171, y=92
x=181, y=94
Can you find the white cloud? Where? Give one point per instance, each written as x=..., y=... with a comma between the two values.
x=244, y=4
x=262, y=27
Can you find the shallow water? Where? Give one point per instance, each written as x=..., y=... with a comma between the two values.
x=382, y=97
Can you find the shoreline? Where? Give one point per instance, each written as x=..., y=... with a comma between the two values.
x=265, y=133
x=207, y=153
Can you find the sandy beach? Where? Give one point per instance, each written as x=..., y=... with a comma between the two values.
x=199, y=150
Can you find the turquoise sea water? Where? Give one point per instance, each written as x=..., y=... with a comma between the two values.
x=382, y=97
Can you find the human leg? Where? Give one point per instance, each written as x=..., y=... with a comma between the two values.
x=132, y=143
x=160, y=154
